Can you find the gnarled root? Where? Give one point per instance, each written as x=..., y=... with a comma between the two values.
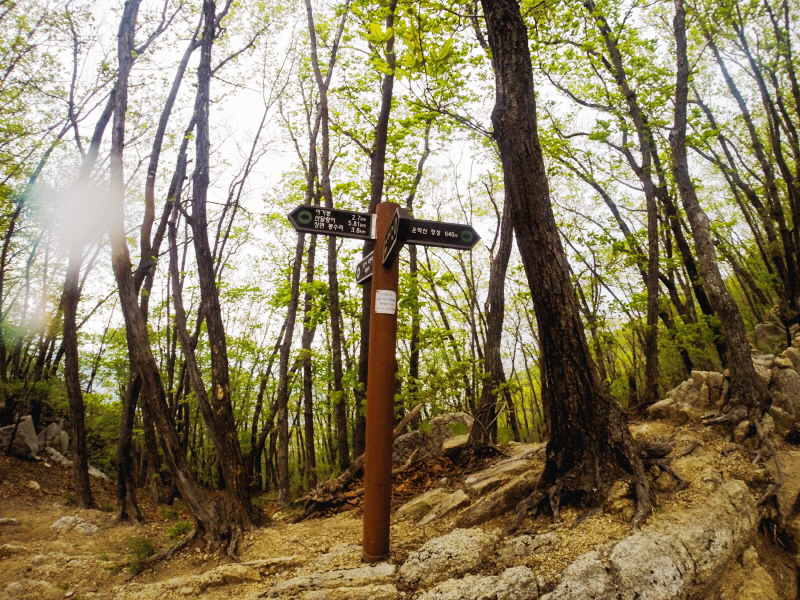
x=172, y=550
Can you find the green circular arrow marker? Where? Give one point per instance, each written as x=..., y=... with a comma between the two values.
x=466, y=236
x=305, y=217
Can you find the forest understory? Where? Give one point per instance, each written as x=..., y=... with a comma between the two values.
x=752, y=552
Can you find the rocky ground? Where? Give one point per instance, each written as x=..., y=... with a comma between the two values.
x=707, y=540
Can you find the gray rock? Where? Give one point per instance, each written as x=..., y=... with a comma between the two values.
x=32, y=588
x=508, y=468
x=517, y=583
x=95, y=472
x=484, y=486
x=385, y=591
x=660, y=409
x=716, y=382
x=26, y=443
x=429, y=445
x=451, y=503
x=585, y=578
x=9, y=521
x=511, y=549
x=761, y=360
x=788, y=493
x=54, y=437
x=455, y=444
x=675, y=558
x=782, y=419
x=418, y=507
x=57, y=457
x=793, y=354
x=458, y=552
x=787, y=382
x=379, y=574
x=499, y=501
x=769, y=336
x=651, y=564
x=65, y=524
x=87, y=528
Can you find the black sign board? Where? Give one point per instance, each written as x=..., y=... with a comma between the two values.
x=390, y=242
x=333, y=221
x=364, y=269
x=443, y=235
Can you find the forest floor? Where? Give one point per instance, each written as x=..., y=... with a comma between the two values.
x=38, y=563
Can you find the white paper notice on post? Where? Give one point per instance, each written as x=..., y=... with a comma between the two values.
x=385, y=302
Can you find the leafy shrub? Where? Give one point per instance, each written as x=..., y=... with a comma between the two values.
x=180, y=529
x=141, y=547
x=135, y=567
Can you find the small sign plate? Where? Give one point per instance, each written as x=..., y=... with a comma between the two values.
x=385, y=302
x=364, y=269
x=390, y=242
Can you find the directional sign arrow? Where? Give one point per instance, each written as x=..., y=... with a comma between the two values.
x=443, y=235
x=333, y=221
x=364, y=269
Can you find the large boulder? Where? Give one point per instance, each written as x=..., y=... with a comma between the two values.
x=678, y=558
x=458, y=552
x=428, y=444
x=26, y=442
x=54, y=437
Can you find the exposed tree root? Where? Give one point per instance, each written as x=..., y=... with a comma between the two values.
x=333, y=492
x=172, y=550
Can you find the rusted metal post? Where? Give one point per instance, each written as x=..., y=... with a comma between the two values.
x=380, y=396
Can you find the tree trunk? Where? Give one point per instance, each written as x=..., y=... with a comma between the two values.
x=590, y=445
x=80, y=458
x=494, y=376
x=748, y=394
x=221, y=426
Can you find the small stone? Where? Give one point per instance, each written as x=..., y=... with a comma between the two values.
x=783, y=363
x=186, y=591
x=9, y=521
x=740, y=433
x=665, y=483
x=33, y=485
x=767, y=424
x=782, y=420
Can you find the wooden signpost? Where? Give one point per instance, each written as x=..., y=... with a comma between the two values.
x=390, y=227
